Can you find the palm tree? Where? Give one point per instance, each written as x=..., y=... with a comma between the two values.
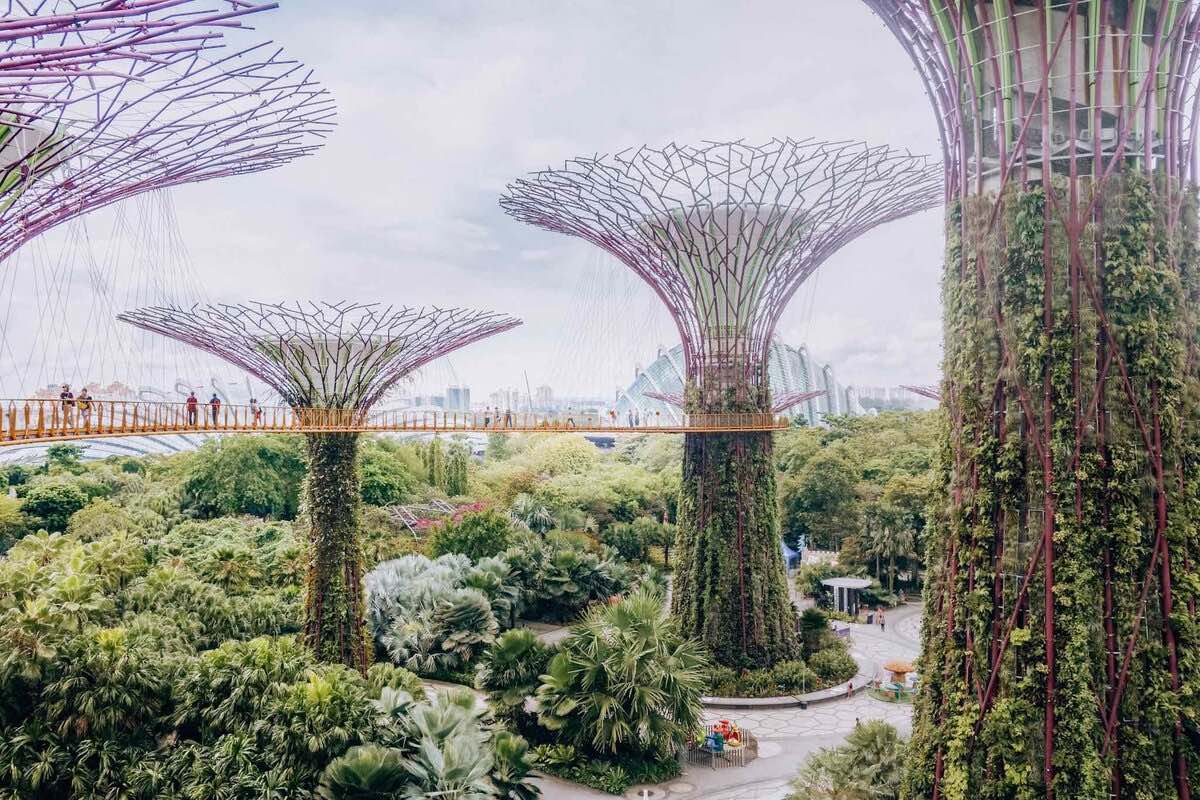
x=532, y=514
x=890, y=542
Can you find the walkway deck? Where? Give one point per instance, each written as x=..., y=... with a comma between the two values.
x=42, y=420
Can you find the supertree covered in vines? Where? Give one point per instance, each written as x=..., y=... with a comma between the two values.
x=100, y=101
x=725, y=233
x=1061, y=651
x=334, y=361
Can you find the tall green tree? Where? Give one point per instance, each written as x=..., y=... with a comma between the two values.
x=258, y=475
x=821, y=504
x=457, y=467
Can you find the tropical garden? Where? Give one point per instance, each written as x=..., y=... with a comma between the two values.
x=151, y=615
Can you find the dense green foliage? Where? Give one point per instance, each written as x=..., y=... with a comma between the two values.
x=730, y=585
x=1103, y=459
x=258, y=475
x=625, y=681
x=867, y=767
x=52, y=501
x=334, y=607
x=476, y=535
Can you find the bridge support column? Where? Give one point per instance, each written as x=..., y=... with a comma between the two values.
x=730, y=586
x=334, y=612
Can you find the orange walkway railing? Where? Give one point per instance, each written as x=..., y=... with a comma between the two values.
x=41, y=420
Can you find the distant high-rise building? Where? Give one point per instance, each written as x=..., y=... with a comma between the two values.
x=543, y=397
x=508, y=399
x=458, y=398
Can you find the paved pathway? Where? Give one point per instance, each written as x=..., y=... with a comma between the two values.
x=786, y=735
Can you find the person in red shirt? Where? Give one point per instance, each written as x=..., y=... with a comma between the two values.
x=215, y=405
x=193, y=403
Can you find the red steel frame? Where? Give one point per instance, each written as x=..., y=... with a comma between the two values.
x=993, y=137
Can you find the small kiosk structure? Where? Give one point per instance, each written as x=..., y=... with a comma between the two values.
x=846, y=593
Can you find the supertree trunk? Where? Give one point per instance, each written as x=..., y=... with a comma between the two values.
x=1059, y=640
x=334, y=626
x=730, y=585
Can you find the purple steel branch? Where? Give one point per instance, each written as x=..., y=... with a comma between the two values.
x=930, y=392
x=167, y=116
x=324, y=355
x=44, y=44
x=726, y=232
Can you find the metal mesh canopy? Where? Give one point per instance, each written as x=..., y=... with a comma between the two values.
x=102, y=101
x=1077, y=84
x=324, y=355
x=726, y=232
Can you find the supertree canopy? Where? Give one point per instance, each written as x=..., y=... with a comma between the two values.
x=324, y=355
x=1059, y=645
x=102, y=101
x=330, y=356
x=725, y=233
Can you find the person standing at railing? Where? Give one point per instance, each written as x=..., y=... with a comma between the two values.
x=487, y=416
x=193, y=405
x=67, y=398
x=215, y=405
x=508, y=417
x=637, y=418
x=255, y=411
x=84, y=402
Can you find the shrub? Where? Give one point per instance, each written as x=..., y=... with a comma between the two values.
x=607, y=775
x=51, y=501
x=833, y=665
x=558, y=582
x=626, y=540
x=13, y=522
x=869, y=764
x=102, y=517
x=383, y=675
x=625, y=681
x=794, y=677
x=224, y=690
x=813, y=625
x=476, y=535
x=307, y=723
x=444, y=638
x=365, y=772
x=510, y=669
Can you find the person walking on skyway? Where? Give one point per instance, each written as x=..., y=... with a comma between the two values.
x=255, y=411
x=508, y=418
x=84, y=403
x=215, y=405
x=67, y=398
x=193, y=403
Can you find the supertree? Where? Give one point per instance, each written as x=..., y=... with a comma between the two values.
x=101, y=101
x=1060, y=636
x=725, y=233
x=339, y=358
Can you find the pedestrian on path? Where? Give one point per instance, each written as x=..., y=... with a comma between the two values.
x=882, y=621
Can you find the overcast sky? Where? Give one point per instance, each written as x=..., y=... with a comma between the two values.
x=442, y=103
